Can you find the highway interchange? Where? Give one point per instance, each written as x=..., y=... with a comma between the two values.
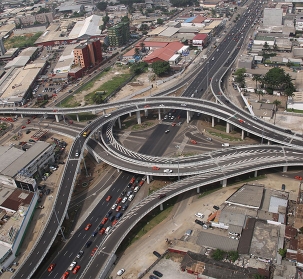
x=214, y=166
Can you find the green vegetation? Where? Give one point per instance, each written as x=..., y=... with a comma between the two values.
x=224, y=136
x=3, y=126
x=183, y=3
x=208, y=192
x=69, y=102
x=83, y=116
x=21, y=41
x=109, y=87
x=232, y=255
x=282, y=252
x=147, y=223
x=101, y=6
x=239, y=77
x=138, y=68
x=295, y=110
x=247, y=180
x=142, y=126
x=219, y=255
x=160, y=67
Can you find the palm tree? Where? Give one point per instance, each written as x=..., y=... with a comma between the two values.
x=137, y=51
x=142, y=45
x=276, y=103
x=257, y=78
x=259, y=93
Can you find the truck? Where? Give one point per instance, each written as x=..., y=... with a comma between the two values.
x=86, y=133
x=72, y=265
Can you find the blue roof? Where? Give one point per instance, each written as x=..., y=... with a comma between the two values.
x=189, y=19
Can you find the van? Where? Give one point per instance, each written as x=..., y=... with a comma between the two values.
x=131, y=197
x=225, y=144
x=108, y=230
x=136, y=189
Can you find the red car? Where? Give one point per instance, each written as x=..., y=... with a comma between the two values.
x=298, y=177
x=23, y=127
x=104, y=220
x=141, y=183
x=146, y=106
x=118, y=200
x=88, y=227
x=173, y=124
x=102, y=231
x=114, y=222
x=108, y=198
x=241, y=120
x=28, y=121
x=132, y=180
x=76, y=269
x=51, y=267
x=93, y=251
x=65, y=275
x=118, y=208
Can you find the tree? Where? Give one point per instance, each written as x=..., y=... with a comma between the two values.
x=142, y=45
x=101, y=6
x=257, y=78
x=137, y=51
x=259, y=93
x=139, y=68
x=276, y=103
x=160, y=21
x=266, y=47
x=218, y=255
x=239, y=77
x=233, y=255
x=125, y=19
x=160, y=67
x=282, y=252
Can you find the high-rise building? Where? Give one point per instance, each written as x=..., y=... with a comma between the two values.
x=119, y=34
x=88, y=54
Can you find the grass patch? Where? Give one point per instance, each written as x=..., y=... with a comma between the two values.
x=109, y=87
x=91, y=83
x=295, y=110
x=69, y=102
x=248, y=180
x=147, y=223
x=83, y=116
x=224, y=136
x=208, y=192
x=22, y=41
x=143, y=125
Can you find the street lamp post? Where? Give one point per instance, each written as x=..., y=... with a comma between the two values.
x=207, y=74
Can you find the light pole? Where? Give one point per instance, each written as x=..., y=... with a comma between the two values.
x=207, y=63
x=64, y=239
x=177, y=146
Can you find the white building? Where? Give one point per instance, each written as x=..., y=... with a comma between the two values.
x=272, y=17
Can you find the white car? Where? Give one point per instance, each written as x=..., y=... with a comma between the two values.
x=136, y=189
x=199, y=215
x=161, y=105
x=183, y=105
x=114, y=206
x=72, y=265
x=124, y=200
x=120, y=272
x=168, y=171
x=107, y=115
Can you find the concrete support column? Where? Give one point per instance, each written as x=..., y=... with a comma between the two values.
x=227, y=128
x=218, y=120
x=138, y=117
x=268, y=143
x=22, y=116
x=146, y=112
x=57, y=117
x=119, y=122
x=285, y=169
x=159, y=114
x=256, y=173
x=198, y=190
x=242, y=135
x=104, y=111
x=118, y=170
x=212, y=121
x=148, y=179
x=188, y=116
x=224, y=182
x=161, y=206
x=94, y=111
x=78, y=120
x=247, y=133
x=130, y=114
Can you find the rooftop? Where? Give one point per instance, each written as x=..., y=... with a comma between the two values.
x=247, y=196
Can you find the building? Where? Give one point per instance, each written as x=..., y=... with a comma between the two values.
x=66, y=60
x=88, y=54
x=200, y=41
x=86, y=29
x=9, y=55
x=165, y=53
x=26, y=55
x=119, y=34
x=246, y=61
x=42, y=18
x=272, y=17
x=70, y=7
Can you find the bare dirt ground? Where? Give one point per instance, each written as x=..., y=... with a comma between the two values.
x=139, y=256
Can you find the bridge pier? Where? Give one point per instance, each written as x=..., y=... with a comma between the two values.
x=94, y=111
x=224, y=182
x=161, y=206
x=57, y=117
x=104, y=111
x=285, y=169
x=227, y=128
x=78, y=120
x=256, y=173
x=198, y=190
x=119, y=122
x=22, y=116
x=159, y=114
x=268, y=143
x=188, y=116
x=118, y=170
x=130, y=114
x=212, y=121
x=149, y=178
x=138, y=117
x=242, y=135
x=146, y=112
